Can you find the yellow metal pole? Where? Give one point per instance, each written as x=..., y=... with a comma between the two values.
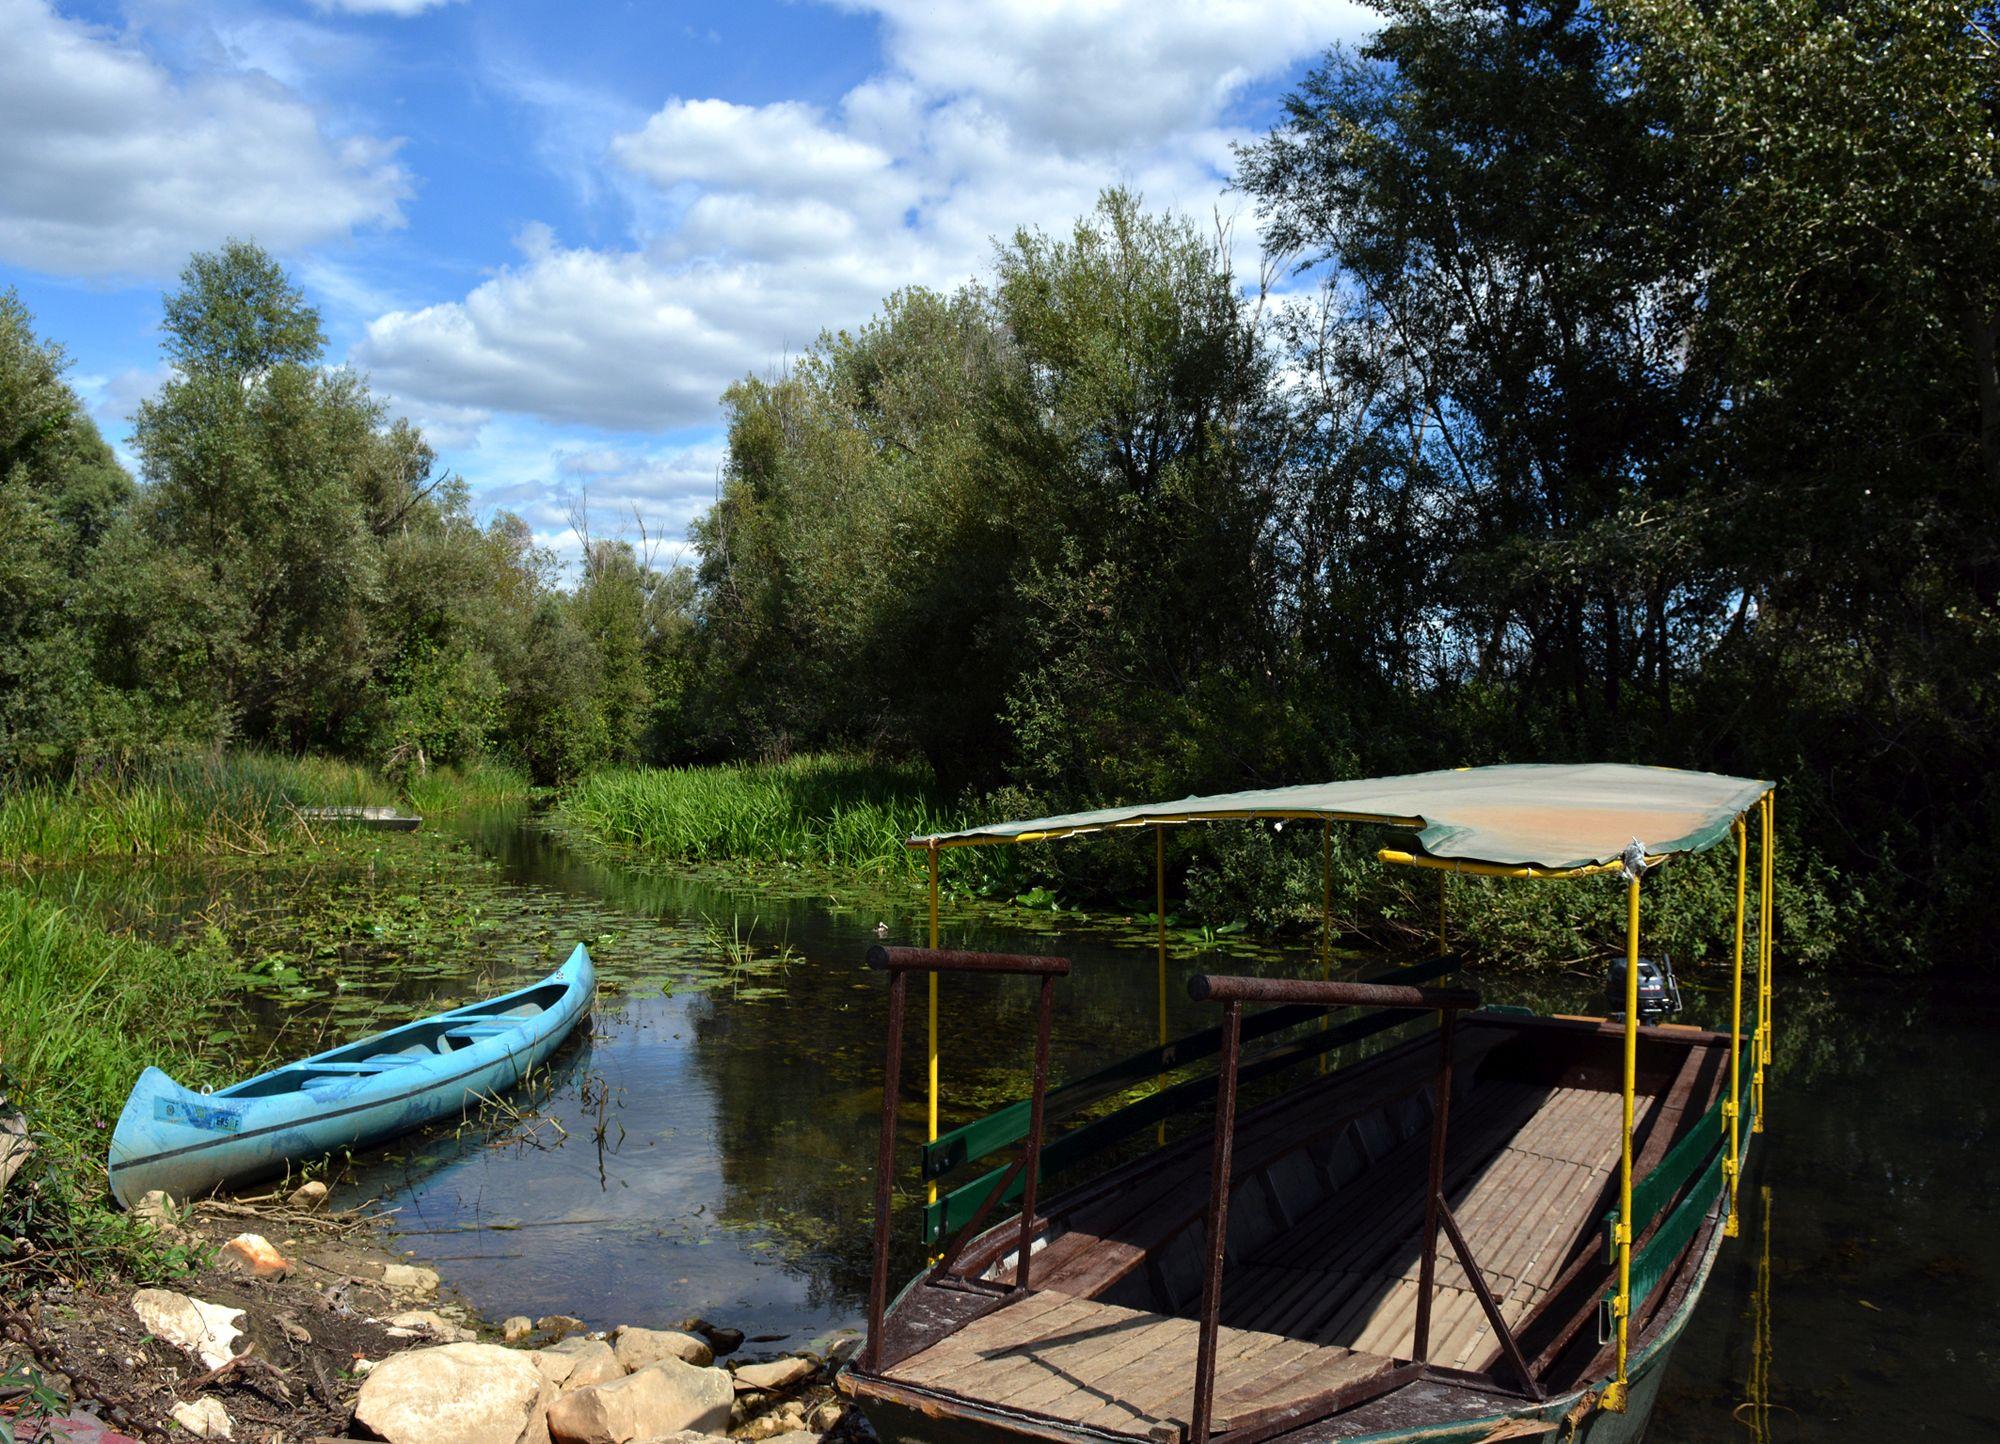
x=1614, y=1396
x=1758, y=1042
x=1730, y=1169
x=931, y=1190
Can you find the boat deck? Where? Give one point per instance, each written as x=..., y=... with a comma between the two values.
x=1319, y=1301
x=1128, y=1372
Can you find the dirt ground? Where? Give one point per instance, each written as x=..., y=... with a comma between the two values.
x=311, y=1335
x=310, y=1332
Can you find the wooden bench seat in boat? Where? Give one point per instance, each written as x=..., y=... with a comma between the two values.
x=1130, y=1373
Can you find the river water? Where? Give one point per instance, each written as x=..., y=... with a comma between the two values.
x=708, y=1149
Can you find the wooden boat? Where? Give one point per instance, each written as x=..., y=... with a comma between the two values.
x=378, y=819
x=1423, y=1244
x=187, y=1143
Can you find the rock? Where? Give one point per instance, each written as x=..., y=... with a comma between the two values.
x=307, y=1195
x=640, y=1347
x=15, y=1145
x=579, y=1363
x=662, y=1398
x=826, y=1417
x=424, y=1324
x=409, y=1279
x=253, y=1254
x=204, y=1418
x=205, y=1330
x=454, y=1394
x=775, y=1377
x=691, y=1436
x=157, y=1212
x=724, y=1341
x=768, y=1426
x=561, y=1325
x=517, y=1328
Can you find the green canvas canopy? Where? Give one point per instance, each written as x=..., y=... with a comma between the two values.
x=1547, y=816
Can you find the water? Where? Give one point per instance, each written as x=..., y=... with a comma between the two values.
x=707, y=1150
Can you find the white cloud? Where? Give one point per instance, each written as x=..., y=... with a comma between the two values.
x=770, y=223
x=400, y=9
x=783, y=149
x=1107, y=74
x=109, y=166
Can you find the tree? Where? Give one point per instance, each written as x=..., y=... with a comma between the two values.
x=267, y=472
x=60, y=492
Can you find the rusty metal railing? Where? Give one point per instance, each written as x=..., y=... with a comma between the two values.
x=1233, y=993
x=899, y=963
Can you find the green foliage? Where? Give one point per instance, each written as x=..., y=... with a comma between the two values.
x=82, y=1011
x=819, y=810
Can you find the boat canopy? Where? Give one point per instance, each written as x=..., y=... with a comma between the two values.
x=1543, y=817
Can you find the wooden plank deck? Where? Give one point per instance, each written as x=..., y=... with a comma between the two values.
x=1346, y=1274
x=1125, y=1371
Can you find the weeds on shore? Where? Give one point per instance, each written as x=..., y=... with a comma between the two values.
x=218, y=805
x=243, y=803
x=817, y=811
x=475, y=784
x=83, y=1009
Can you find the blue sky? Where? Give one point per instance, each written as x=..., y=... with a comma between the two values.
x=552, y=233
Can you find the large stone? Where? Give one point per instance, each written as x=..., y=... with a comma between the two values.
x=517, y=1328
x=775, y=1377
x=410, y=1279
x=427, y=1324
x=205, y=1418
x=253, y=1254
x=307, y=1195
x=640, y=1347
x=579, y=1363
x=663, y=1398
x=454, y=1394
x=205, y=1330
x=560, y=1325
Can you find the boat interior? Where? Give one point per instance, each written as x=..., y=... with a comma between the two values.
x=1319, y=1295
x=417, y=1042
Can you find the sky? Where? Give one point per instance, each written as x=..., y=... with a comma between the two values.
x=551, y=234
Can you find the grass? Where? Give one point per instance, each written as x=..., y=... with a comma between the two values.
x=216, y=805
x=237, y=802
x=819, y=811
x=476, y=784
x=83, y=1009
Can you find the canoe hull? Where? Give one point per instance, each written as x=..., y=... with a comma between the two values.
x=188, y=1144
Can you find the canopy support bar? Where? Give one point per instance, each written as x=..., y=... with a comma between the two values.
x=1615, y=1396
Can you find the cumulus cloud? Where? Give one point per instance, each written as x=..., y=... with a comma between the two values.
x=112, y=167
x=783, y=219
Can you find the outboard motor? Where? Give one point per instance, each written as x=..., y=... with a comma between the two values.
x=1659, y=994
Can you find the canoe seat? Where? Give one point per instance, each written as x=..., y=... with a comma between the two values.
x=472, y=1031
x=366, y=1065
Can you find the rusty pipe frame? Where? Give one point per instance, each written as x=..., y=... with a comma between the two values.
x=947, y=960
x=899, y=963
x=1215, y=988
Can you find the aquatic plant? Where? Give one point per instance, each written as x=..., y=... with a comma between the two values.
x=210, y=803
x=831, y=811
x=482, y=783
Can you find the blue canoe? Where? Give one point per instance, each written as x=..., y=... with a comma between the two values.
x=188, y=1143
